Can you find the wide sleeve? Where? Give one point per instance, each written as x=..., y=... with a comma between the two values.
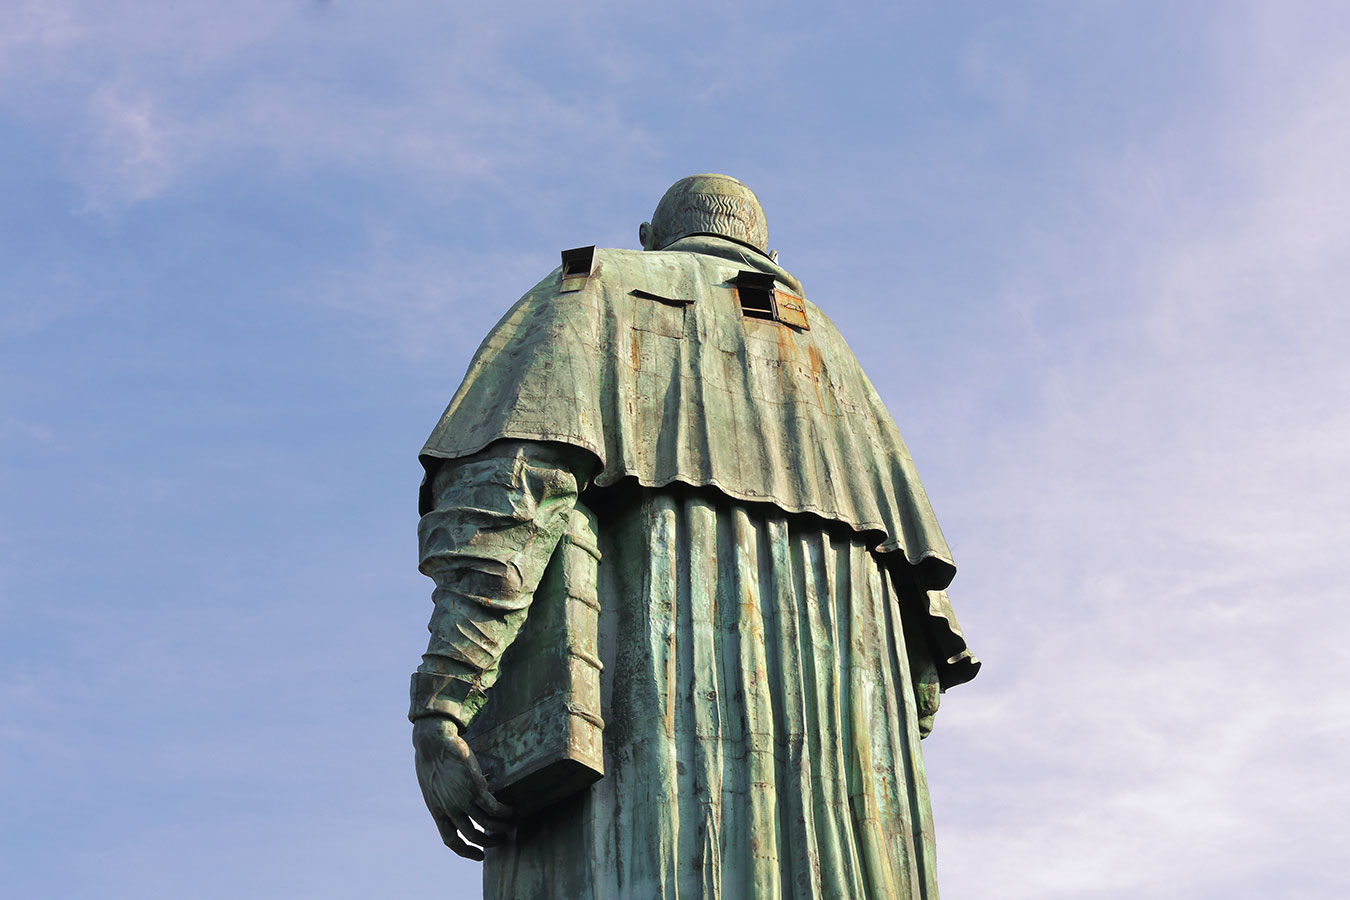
x=494, y=521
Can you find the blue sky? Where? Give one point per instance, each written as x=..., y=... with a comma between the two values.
x=1092, y=254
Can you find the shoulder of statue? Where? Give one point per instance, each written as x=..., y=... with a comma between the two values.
x=588, y=270
x=612, y=279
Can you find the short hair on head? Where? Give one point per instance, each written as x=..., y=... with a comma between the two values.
x=710, y=204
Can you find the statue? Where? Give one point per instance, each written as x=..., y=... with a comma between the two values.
x=690, y=616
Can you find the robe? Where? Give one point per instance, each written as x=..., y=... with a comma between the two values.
x=773, y=627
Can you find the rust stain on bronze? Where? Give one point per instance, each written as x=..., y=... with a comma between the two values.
x=787, y=346
x=821, y=376
x=817, y=362
x=670, y=685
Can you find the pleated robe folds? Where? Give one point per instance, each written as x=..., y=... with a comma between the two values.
x=761, y=730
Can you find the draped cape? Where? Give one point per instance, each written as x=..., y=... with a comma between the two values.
x=652, y=367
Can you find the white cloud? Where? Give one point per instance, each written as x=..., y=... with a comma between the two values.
x=46, y=24
x=145, y=103
x=420, y=301
x=132, y=158
x=1163, y=626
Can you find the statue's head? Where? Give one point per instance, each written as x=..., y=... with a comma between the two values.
x=707, y=204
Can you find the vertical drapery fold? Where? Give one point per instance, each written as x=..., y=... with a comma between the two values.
x=762, y=735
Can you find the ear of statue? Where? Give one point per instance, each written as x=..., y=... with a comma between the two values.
x=645, y=236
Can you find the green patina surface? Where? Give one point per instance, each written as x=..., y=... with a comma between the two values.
x=690, y=606
x=652, y=368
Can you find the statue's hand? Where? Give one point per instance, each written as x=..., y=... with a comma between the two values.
x=927, y=696
x=455, y=790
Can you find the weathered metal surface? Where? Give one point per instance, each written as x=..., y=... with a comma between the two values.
x=701, y=395
x=791, y=309
x=538, y=737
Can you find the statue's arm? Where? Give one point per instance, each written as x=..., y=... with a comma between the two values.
x=495, y=520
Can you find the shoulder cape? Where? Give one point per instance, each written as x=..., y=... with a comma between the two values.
x=653, y=368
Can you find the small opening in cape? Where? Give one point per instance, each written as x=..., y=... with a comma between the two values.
x=578, y=261
x=755, y=290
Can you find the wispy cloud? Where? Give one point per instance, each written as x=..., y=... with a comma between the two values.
x=35, y=25
x=174, y=97
x=418, y=300
x=133, y=156
x=1168, y=602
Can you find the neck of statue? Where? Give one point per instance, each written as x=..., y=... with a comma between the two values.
x=734, y=251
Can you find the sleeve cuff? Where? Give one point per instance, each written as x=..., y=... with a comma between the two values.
x=433, y=694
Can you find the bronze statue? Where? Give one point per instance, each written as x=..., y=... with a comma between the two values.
x=690, y=619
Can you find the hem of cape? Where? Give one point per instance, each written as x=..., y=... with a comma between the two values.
x=601, y=479
x=953, y=674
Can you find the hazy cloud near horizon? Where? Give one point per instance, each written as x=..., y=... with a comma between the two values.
x=1093, y=260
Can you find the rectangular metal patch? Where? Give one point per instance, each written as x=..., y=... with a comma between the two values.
x=791, y=309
